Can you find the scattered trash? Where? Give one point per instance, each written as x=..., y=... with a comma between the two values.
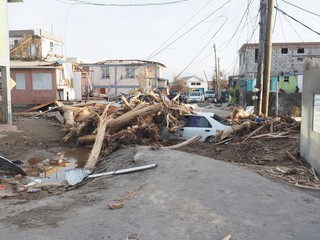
x=114, y=206
x=132, y=236
x=33, y=190
x=7, y=165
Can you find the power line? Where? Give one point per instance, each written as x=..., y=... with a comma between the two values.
x=150, y=56
x=203, y=48
x=124, y=4
x=185, y=33
x=301, y=8
x=284, y=13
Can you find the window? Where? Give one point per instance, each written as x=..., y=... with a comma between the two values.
x=256, y=54
x=286, y=79
x=130, y=72
x=192, y=84
x=284, y=50
x=300, y=59
x=300, y=50
x=105, y=72
x=42, y=81
x=198, y=121
x=198, y=84
x=316, y=113
x=20, y=81
x=51, y=46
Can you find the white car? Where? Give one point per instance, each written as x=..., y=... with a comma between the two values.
x=195, y=97
x=204, y=124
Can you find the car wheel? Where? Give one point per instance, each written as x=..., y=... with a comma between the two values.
x=210, y=139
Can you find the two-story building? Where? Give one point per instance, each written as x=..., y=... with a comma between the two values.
x=35, y=45
x=38, y=67
x=113, y=77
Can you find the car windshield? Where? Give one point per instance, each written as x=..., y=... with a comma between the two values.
x=209, y=92
x=194, y=94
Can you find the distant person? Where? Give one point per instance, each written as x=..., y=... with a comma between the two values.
x=297, y=89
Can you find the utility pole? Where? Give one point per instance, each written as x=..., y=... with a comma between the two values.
x=267, y=60
x=261, y=53
x=218, y=81
x=216, y=68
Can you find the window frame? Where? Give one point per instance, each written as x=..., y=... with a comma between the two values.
x=21, y=82
x=130, y=72
x=42, y=81
x=105, y=72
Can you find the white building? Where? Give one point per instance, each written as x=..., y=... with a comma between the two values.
x=113, y=77
x=195, y=83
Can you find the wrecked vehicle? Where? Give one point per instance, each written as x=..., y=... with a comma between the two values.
x=203, y=123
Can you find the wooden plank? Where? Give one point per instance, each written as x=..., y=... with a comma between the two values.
x=40, y=106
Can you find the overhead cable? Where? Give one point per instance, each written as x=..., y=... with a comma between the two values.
x=124, y=4
x=284, y=13
x=301, y=8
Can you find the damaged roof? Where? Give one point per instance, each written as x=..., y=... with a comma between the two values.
x=126, y=62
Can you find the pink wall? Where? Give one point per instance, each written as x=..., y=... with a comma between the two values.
x=30, y=96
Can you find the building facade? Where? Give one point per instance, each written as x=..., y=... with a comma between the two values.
x=35, y=45
x=287, y=58
x=39, y=82
x=195, y=83
x=113, y=77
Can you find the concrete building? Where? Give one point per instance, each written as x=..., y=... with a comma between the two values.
x=195, y=83
x=310, y=122
x=287, y=58
x=113, y=77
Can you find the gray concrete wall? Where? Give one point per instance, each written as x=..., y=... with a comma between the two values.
x=310, y=140
x=288, y=103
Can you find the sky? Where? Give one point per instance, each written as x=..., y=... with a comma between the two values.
x=180, y=34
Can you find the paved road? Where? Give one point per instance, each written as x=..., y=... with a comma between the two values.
x=185, y=197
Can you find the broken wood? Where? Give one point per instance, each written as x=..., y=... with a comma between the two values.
x=94, y=155
x=307, y=187
x=40, y=106
x=68, y=117
x=185, y=143
x=252, y=133
x=235, y=129
x=123, y=120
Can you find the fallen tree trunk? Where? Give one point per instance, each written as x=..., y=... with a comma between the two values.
x=115, y=124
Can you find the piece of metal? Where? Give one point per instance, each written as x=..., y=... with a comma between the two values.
x=76, y=175
x=122, y=171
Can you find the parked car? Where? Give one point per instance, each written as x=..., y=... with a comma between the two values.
x=195, y=97
x=209, y=95
x=204, y=124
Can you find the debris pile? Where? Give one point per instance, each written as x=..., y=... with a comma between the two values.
x=134, y=122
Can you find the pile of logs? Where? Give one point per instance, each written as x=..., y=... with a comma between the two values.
x=134, y=122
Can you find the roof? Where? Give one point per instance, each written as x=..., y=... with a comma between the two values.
x=189, y=77
x=126, y=62
x=35, y=64
x=282, y=44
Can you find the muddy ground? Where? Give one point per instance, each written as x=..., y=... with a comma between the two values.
x=40, y=139
x=65, y=212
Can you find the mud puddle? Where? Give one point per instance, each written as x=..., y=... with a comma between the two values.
x=51, y=167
